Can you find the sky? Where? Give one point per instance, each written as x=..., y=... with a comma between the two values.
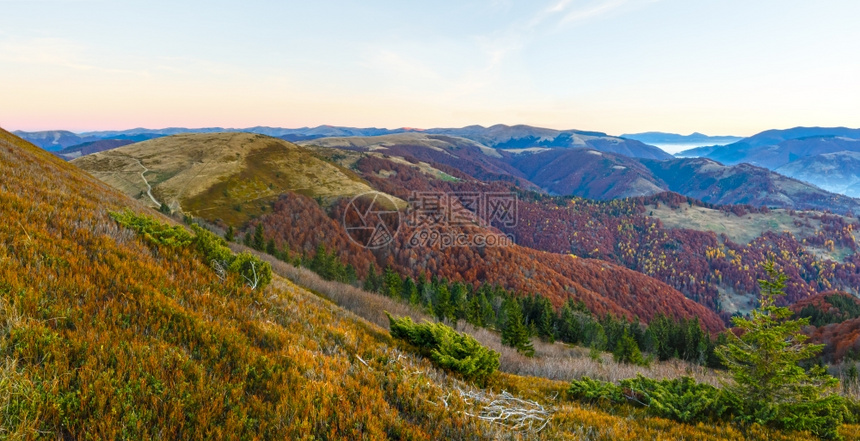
x=721, y=67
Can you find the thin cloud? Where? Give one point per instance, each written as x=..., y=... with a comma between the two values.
x=54, y=52
x=596, y=10
x=592, y=11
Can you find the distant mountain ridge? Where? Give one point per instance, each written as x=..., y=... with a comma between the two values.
x=54, y=140
x=822, y=156
x=596, y=172
x=88, y=148
x=674, y=138
x=807, y=141
x=499, y=136
x=836, y=172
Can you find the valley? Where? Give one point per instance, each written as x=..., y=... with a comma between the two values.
x=571, y=252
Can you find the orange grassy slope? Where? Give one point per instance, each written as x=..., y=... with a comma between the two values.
x=104, y=337
x=110, y=339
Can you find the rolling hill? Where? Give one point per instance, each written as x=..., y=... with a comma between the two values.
x=604, y=288
x=206, y=175
x=711, y=253
x=596, y=174
x=470, y=157
x=106, y=335
x=88, y=148
x=821, y=156
x=222, y=177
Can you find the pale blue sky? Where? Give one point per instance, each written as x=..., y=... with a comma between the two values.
x=719, y=67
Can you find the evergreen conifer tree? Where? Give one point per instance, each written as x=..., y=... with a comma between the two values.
x=627, y=351
x=442, y=306
x=259, y=238
x=770, y=385
x=371, y=282
x=392, y=284
x=514, y=332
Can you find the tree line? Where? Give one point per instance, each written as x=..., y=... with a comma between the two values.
x=518, y=318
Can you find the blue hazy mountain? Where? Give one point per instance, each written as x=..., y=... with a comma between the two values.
x=656, y=138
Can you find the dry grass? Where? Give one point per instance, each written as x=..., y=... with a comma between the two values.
x=209, y=175
x=16, y=391
x=740, y=229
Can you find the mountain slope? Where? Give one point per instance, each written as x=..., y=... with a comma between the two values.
x=470, y=157
x=219, y=176
x=836, y=172
x=715, y=183
x=304, y=225
x=54, y=140
x=603, y=286
x=775, y=148
x=597, y=175
x=88, y=148
x=498, y=136
x=773, y=137
x=106, y=337
x=588, y=173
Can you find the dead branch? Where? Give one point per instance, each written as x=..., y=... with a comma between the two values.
x=220, y=269
x=508, y=410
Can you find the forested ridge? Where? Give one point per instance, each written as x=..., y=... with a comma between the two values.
x=700, y=264
x=116, y=324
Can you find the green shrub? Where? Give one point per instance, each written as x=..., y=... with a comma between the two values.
x=447, y=348
x=586, y=389
x=153, y=231
x=212, y=247
x=821, y=416
x=681, y=399
x=214, y=250
x=852, y=411
x=254, y=272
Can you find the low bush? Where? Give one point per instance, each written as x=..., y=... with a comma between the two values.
x=153, y=231
x=447, y=348
x=588, y=390
x=253, y=272
x=681, y=399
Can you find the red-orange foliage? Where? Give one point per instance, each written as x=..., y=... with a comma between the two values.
x=604, y=287
x=621, y=231
x=842, y=338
